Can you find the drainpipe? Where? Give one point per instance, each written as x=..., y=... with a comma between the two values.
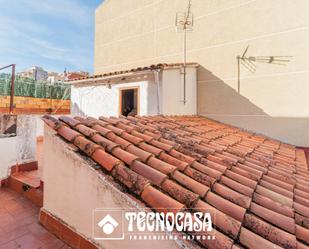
x=157, y=81
x=184, y=66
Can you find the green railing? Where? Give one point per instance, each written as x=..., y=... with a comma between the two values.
x=28, y=87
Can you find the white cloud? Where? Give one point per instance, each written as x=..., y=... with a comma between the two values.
x=26, y=40
x=69, y=10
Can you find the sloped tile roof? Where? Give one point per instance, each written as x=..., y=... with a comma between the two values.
x=133, y=70
x=257, y=188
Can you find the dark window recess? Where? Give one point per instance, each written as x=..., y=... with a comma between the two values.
x=8, y=125
x=129, y=102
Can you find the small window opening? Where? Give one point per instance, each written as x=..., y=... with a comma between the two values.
x=129, y=102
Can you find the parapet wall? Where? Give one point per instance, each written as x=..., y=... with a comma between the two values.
x=29, y=105
x=20, y=148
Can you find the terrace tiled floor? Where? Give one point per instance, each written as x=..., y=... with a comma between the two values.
x=19, y=227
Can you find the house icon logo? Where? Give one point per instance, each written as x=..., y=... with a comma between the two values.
x=108, y=224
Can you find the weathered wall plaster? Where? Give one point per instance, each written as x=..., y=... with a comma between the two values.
x=73, y=189
x=20, y=148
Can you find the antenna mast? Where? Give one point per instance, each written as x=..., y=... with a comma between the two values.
x=184, y=23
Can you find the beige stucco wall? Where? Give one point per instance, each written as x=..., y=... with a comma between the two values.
x=274, y=100
x=173, y=95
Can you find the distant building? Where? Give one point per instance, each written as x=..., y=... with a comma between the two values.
x=36, y=73
x=54, y=77
x=77, y=75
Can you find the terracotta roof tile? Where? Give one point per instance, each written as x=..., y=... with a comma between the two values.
x=85, y=145
x=274, y=196
x=190, y=183
x=301, y=245
x=277, y=189
x=70, y=121
x=68, y=133
x=103, y=131
x=221, y=242
x=200, y=177
x=301, y=209
x=179, y=193
x=160, y=165
x=107, y=161
x=121, y=73
x=224, y=222
x=159, y=201
x=141, y=154
x=231, y=195
x=243, y=189
x=301, y=200
x=105, y=143
x=155, y=176
x=160, y=145
x=135, y=182
x=243, y=179
x=302, y=234
x=225, y=206
x=174, y=161
x=142, y=136
x=124, y=156
x=118, y=140
x=214, y=165
x=301, y=220
x=273, y=205
x=88, y=132
x=253, y=241
x=132, y=139
x=284, y=222
x=207, y=170
x=273, y=234
x=256, y=188
x=151, y=149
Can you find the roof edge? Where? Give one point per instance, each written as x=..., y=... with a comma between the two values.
x=121, y=73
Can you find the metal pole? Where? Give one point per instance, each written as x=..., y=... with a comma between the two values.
x=12, y=89
x=238, y=74
x=184, y=65
x=6, y=67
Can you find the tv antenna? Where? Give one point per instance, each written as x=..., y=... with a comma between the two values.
x=249, y=62
x=184, y=24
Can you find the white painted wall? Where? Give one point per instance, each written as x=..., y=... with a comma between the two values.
x=73, y=190
x=172, y=92
x=98, y=101
x=21, y=148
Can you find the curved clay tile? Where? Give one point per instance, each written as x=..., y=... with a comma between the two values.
x=256, y=188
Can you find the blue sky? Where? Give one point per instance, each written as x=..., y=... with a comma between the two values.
x=53, y=34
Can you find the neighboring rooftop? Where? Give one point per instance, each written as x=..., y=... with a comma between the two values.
x=256, y=187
